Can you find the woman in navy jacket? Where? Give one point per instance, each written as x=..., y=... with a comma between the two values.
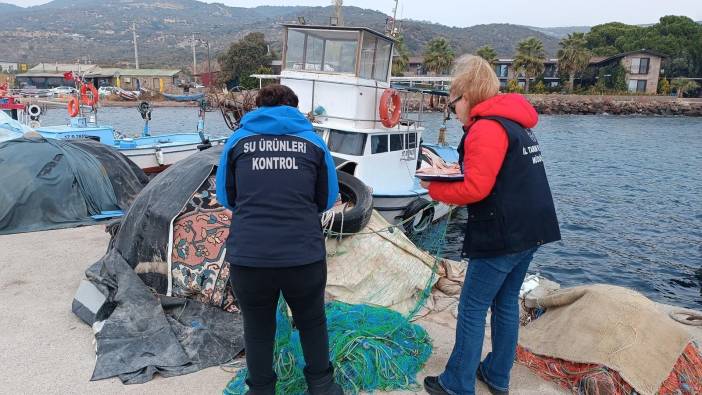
x=277, y=175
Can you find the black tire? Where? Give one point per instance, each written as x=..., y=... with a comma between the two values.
x=419, y=222
x=354, y=191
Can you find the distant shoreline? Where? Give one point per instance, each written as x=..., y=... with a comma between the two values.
x=558, y=104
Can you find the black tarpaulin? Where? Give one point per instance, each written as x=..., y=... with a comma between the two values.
x=51, y=184
x=140, y=332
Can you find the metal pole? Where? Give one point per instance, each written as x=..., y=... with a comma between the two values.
x=209, y=65
x=192, y=44
x=136, y=51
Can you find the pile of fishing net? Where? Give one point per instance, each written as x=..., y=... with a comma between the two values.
x=601, y=339
x=372, y=348
x=388, y=280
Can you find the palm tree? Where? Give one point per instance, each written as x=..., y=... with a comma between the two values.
x=530, y=59
x=400, y=58
x=573, y=57
x=684, y=85
x=487, y=53
x=438, y=55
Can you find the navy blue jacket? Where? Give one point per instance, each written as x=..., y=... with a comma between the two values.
x=276, y=175
x=519, y=213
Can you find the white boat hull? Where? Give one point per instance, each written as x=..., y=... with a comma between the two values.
x=156, y=158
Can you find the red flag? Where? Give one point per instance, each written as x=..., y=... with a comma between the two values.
x=68, y=76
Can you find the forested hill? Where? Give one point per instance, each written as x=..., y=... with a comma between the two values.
x=67, y=30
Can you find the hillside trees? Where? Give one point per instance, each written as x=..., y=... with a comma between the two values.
x=242, y=59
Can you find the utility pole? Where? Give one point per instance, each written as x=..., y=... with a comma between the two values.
x=194, y=58
x=136, y=51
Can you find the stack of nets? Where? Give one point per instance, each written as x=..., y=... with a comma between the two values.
x=372, y=348
x=594, y=379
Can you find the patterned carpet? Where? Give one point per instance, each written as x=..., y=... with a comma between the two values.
x=197, y=259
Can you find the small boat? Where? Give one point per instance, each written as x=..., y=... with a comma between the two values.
x=128, y=95
x=183, y=98
x=152, y=154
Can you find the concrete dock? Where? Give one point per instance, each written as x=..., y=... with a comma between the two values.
x=48, y=350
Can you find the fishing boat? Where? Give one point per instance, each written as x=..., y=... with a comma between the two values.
x=342, y=78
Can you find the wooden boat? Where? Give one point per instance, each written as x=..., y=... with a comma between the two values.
x=127, y=95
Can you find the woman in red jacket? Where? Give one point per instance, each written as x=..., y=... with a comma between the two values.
x=510, y=214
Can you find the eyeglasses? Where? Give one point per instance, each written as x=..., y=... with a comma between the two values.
x=452, y=104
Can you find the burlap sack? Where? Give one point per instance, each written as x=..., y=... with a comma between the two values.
x=608, y=325
x=382, y=269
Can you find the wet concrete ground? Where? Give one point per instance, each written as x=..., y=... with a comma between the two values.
x=46, y=349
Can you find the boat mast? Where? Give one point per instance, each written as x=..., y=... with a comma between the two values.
x=393, y=32
x=337, y=12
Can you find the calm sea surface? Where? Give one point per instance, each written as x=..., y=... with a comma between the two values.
x=628, y=191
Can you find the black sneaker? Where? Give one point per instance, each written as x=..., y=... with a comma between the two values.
x=493, y=391
x=432, y=386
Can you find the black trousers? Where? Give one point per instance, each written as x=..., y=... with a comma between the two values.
x=257, y=291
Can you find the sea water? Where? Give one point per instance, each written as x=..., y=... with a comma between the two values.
x=628, y=192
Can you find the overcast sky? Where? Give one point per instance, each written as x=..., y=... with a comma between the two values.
x=544, y=13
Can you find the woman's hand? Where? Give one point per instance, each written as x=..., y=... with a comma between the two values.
x=424, y=184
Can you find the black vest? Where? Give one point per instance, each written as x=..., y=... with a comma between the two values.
x=519, y=213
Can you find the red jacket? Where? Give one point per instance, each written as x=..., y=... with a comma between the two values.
x=485, y=148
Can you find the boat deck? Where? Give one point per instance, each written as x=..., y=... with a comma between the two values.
x=50, y=351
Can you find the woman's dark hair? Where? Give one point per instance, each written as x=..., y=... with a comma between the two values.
x=276, y=95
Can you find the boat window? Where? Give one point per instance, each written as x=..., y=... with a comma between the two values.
x=340, y=56
x=396, y=142
x=321, y=50
x=367, y=55
x=349, y=143
x=382, y=60
x=379, y=143
x=295, y=51
x=314, y=54
x=411, y=141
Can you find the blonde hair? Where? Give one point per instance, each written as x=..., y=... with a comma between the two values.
x=474, y=79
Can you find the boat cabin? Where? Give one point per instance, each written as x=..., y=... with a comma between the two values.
x=339, y=75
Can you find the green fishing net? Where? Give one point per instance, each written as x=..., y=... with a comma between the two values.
x=371, y=348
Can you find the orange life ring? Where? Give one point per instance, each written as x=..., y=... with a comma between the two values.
x=73, y=107
x=84, y=98
x=390, y=116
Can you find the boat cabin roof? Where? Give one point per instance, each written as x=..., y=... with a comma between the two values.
x=341, y=28
x=341, y=50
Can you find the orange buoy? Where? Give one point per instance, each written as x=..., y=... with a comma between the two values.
x=73, y=107
x=88, y=100
x=390, y=115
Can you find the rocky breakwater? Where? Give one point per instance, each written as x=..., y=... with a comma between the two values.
x=616, y=105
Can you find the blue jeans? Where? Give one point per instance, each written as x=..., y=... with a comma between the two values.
x=494, y=283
